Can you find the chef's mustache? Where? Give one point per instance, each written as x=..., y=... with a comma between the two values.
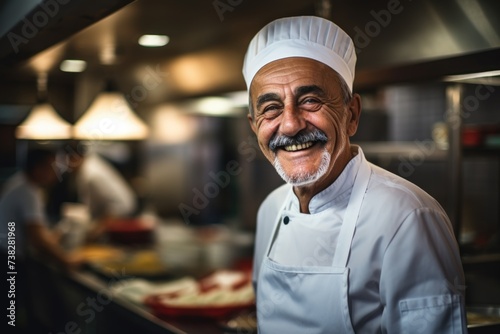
x=300, y=138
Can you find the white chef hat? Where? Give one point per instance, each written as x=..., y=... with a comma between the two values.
x=302, y=36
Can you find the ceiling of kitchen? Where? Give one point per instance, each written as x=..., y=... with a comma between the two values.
x=208, y=38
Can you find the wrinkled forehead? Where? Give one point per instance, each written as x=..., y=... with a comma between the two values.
x=293, y=72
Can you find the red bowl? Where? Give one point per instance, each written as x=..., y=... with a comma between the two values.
x=130, y=231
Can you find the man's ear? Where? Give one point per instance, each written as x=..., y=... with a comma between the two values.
x=252, y=123
x=354, y=110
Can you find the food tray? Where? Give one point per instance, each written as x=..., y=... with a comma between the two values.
x=219, y=296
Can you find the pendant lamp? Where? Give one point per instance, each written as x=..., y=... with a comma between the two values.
x=110, y=117
x=43, y=122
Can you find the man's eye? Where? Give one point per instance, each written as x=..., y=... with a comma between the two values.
x=272, y=107
x=310, y=100
x=271, y=111
x=311, y=103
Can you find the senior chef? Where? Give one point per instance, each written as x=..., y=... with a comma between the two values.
x=344, y=246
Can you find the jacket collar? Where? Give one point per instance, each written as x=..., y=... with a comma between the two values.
x=339, y=190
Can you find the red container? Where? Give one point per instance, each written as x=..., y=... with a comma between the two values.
x=164, y=305
x=130, y=231
x=472, y=136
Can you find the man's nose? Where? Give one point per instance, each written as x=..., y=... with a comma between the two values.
x=292, y=121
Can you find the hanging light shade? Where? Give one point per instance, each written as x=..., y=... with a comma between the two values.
x=44, y=123
x=110, y=117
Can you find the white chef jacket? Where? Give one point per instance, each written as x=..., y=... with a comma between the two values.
x=103, y=189
x=21, y=203
x=404, y=261
x=313, y=242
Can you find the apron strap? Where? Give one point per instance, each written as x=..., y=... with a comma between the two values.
x=277, y=221
x=351, y=215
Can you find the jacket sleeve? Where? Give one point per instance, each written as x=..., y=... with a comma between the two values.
x=422, y=284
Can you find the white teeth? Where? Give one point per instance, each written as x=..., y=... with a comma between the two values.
x=293, y=148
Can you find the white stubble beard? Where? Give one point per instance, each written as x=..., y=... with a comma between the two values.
x=309, y=178
x=306, y=178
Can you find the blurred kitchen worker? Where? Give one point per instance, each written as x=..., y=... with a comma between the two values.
x=24, y=229
x=22, y=211
x=100, y=186
x=344, y=246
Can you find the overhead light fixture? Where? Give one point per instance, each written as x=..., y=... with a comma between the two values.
x=43, y=123
x=239, y=99
x=214, y=106
x=153, y=40
x=73, y=65
x=471, y=76
x=110, y=117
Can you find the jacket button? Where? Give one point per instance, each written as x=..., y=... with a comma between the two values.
x=286, y=220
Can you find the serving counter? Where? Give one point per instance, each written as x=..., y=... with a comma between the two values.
x=104, y=296
x=85, y=304
x=107, y=295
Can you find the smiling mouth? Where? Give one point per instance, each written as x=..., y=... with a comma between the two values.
x=298, y=147
x=299, y=142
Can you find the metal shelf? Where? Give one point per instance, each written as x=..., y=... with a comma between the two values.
x=408, y=150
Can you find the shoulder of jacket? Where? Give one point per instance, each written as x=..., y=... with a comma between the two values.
x=389, y=186
x=276, y=196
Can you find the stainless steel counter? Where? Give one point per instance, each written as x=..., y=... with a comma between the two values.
x=86, y=305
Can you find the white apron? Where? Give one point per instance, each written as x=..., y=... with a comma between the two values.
x=310, y=299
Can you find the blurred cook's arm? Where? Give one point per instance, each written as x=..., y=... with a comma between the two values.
x=44, y=240
x=115, y=199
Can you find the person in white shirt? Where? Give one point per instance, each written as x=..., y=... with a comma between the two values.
x=344, y=246
x=22, y=207
x=101, y=188
x=26, y=237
